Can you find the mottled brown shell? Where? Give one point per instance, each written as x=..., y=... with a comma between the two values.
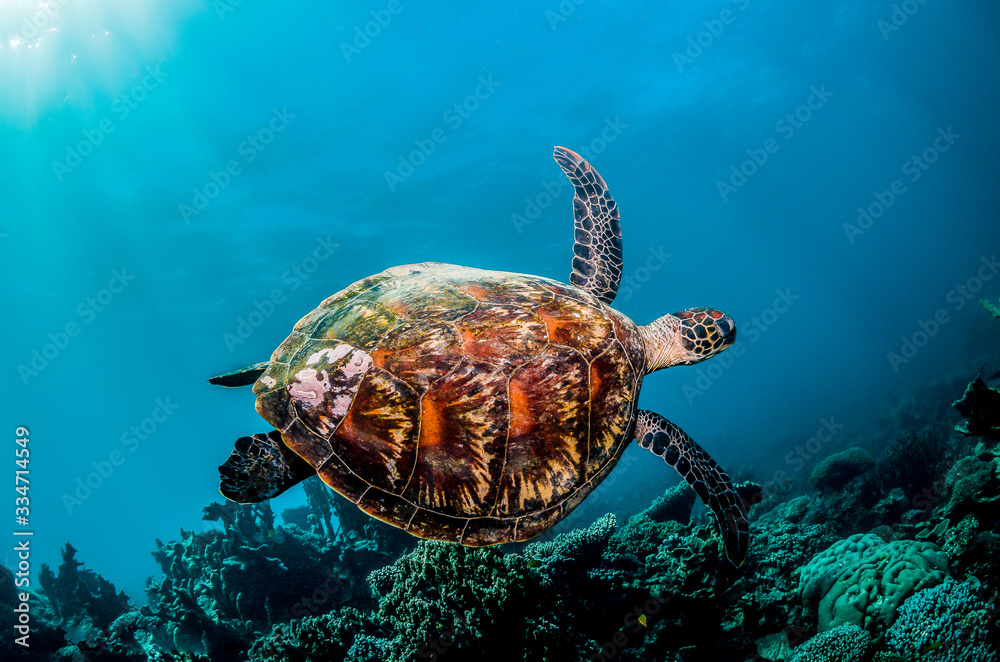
x=458, y=404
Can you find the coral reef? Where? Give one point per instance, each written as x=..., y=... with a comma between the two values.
x=980, y=406
x=863, y=580
x=476, y=600
x=852, y=565
x=834, y=472
x=946, y=623
x=991, y=307
x=81, y=601
x=46, y=636
x=913, y=460
x=674, y=505
x=331, y=636
x=216, y=594
x=844, y=643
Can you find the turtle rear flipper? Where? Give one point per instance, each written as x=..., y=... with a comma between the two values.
x=242, y=377
x=703, y=474
x=261, y=467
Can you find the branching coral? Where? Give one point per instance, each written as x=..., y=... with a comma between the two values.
x=218, y=593
x=328, y=637
x=946, y=623
x=845, y=643
x=81, y=600
x=457, y=602
x=674, y=505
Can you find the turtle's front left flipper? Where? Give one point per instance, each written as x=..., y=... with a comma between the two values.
x=261, y=467
x=708, y=479
x=242, y=377
x=597, y=247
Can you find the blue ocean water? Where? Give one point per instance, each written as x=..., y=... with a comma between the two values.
x=183, y=181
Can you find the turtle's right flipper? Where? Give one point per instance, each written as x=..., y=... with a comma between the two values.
x=702, y=473
x=261, y=467
x=597, y=247
x=242, y=377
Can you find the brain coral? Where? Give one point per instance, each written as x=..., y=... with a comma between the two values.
x=863, y=580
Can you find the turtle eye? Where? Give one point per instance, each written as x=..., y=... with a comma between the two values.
x=727, y=328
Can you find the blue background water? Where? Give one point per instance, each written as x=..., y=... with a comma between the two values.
x=183, y=85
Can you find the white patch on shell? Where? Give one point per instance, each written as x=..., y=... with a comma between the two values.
x=331, y=354
x=360, y=362
x=307, y=388
x=341, y=404
x=268, y=381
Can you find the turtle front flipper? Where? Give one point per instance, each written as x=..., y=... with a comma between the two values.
x=703, y=474
x=261, y=467
x=242, y=377
x=597, y=251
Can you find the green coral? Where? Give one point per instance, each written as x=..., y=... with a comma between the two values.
x=780, y=546
x=836, y=470
x=980, y=406
x=674, y=505
x=81, y=600
x=973, y=485
x=946, y=623
x=445, y=601
x=844, y=643
x=884, y=656
x=577, y=545
x=863, y=580
x=990, y=306
x=331, y=636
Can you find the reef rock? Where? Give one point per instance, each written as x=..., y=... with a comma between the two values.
x=980, y=406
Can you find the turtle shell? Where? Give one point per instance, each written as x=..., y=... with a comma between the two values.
x=459, y=404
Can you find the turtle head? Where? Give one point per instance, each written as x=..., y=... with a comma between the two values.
x=686, y=337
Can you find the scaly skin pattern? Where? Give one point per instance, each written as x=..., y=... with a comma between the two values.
x=703, y=474
x=597, y=232
x=459, y=404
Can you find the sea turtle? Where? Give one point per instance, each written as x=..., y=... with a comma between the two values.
x=474, y=406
